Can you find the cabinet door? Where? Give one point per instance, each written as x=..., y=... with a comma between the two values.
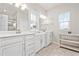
x=38, y=42
x=11, y=40
x=0, y=51
x=43, y=40
x=30, y=45
x=14, y=50
x=0, y=48
x=30, y=49
x=48, y=40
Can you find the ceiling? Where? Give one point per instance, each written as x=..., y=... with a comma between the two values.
x=48, y=6
x=11, y=10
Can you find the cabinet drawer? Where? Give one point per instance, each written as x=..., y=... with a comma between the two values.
x=13, y=50
x=11, y=40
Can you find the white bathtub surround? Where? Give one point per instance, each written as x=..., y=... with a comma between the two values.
x=70, y=41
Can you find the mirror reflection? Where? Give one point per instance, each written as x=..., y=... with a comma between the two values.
x=8, y=17
x=19, y=17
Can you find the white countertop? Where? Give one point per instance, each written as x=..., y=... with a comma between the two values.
x=2, y=35
x=14, y=34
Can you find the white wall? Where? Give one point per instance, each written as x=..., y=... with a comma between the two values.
x=53, y=15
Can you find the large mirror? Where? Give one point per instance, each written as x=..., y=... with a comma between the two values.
x=8, y=17
x=17, y=17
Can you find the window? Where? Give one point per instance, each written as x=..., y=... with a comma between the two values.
x=64, y=20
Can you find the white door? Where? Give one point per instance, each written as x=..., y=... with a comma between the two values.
x=14, y=50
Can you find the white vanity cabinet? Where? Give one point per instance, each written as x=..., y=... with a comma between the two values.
x=13, y=50
x=12, y=46
x=11, y=40
x=0, y=51
x=48, y=38
x=23, y=44
x=43, y=40
x=40, y=41
x=0, y=48
x=30, y=46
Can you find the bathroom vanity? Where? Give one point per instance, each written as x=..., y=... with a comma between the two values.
x=23, y=44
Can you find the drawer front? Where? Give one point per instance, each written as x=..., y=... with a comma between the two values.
x=11, y=40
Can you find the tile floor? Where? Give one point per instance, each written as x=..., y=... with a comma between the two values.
x=55, y=50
